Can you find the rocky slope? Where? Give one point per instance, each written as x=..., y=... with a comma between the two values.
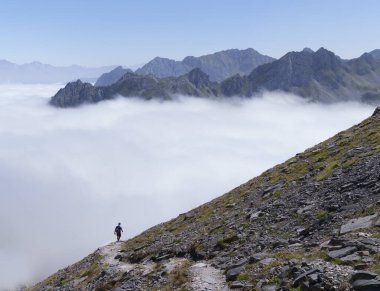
x=320, y=76
x=218, y=66
x=310, y=223
x=112, y=77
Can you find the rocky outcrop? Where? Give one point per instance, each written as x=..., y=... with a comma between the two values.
x=218, y=66
x=194, y=83
x=76, y=93
x=308, y=223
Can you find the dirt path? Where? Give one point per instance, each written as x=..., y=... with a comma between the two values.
x=204, y=277
x=109, y=252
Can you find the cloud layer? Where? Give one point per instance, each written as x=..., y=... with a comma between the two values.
x=68, y=176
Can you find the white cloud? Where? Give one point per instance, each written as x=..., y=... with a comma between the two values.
x=67, y=176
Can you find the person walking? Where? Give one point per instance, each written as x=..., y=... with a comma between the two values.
x=118, y=231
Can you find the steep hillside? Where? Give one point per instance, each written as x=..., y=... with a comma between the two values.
x=310, y=223
x=218, y=66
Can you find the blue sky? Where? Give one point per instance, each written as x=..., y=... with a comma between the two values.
x=126, y=32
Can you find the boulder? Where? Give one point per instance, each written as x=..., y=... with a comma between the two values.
x=342, y=252
x=350, y=258
x=362, y=275
x=232, y=274
x=358, y=223
x=303, y=276
x=366, y=285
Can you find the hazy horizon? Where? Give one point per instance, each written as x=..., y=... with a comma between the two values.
x=132, y=32
x=138, y=65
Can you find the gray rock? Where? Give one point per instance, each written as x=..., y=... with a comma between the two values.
x=256, y=215
x=271, y=287
x=237, y=285
x=305, y=209
x=267, y=261
x=350, y=258
x=362, y=275
x=314, y=278
x=358, y=223
x=342, y=252
x=257, y=257
x=366, y=285
x=303, y=276
x=371, y=241
x=232, y=274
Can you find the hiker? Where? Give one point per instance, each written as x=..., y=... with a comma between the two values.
x=118, y=231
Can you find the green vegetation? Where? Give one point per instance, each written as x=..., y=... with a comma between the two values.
x=222, y=243
x=323, y=214
x=328, y=171
x=349, y=163
x=179, y=278
x=274, y=280
x=243, y=277
x=277, y=193
x=375, y=235
x=375, y=267
x=158, y=267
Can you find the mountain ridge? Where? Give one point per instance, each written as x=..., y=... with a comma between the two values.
x=318, y=76
x=312, y=223
x=218, y=66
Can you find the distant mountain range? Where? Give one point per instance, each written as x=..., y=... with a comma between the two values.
x=37, y=72
x=217, y=66
x=320, y=76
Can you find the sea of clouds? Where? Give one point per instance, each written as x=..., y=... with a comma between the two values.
x=67, y=176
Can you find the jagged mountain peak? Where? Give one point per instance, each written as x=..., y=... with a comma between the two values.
x=376, y=54
x=308, y=50
x=198, y=77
